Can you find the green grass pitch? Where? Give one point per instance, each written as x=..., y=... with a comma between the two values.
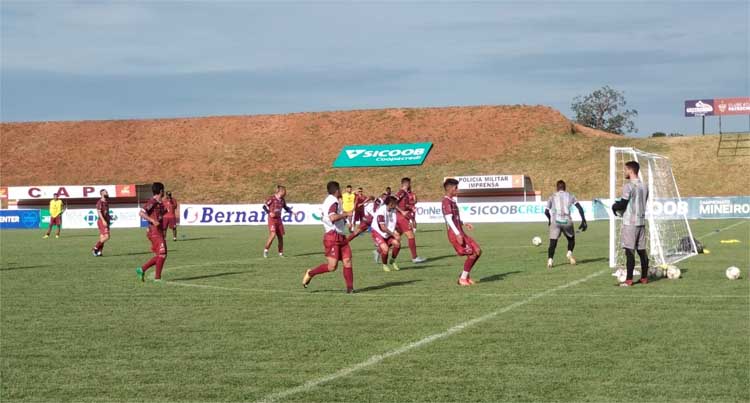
x=228, y=325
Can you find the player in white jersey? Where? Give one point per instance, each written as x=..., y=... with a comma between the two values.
x=632, y=207
x=384, y=233
x=560, y=221
x=335, y=243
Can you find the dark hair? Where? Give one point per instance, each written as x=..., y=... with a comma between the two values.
x=389, y=200
x=561, y=185
x=157, y=188
x=55, y=194
x=633, y=166
x=102, y=191
x=169, y=194
x=388, y=188
x=449, y=182
x=348, y=186
x=405, y=180
x=279, y=187
x=359, y=188
x=332, y=187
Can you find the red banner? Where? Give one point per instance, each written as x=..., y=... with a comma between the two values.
x=732, y=106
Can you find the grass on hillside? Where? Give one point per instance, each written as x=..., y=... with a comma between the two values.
x=231, y=326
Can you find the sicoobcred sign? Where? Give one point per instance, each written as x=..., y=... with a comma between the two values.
x=67, y=191
x=732, y=106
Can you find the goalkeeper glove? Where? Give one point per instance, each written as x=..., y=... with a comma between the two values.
x=584, y=226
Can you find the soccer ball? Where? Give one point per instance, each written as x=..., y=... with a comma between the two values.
x=621, y=275
x=655, y=272
x=673, y=272
x=733, y=273
x=536, y=241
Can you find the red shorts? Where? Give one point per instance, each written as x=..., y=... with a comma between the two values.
x=469, y=246
x=336, y=246
x=158, y=246
x=169, y=222
x=103, y=227
x=359, y=214
x=402, y=223
x=276, y=227
x=379, y=240
x=55, y=221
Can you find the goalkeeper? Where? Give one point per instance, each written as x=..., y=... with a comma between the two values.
x=559, y=221
x=632, y=207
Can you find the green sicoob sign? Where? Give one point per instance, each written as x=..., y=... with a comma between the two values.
x=382, y=155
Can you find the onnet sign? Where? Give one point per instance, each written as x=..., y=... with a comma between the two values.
x=381, y=155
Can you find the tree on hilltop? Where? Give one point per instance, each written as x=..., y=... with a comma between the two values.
x=604, y=109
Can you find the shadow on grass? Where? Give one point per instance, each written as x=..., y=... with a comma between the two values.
x=229, y=273
x=200, y=238
x=308, y=254
x=592, y=260
x=129, y=254
x=24, y=267
x=497, y=277
x=372, y=287
x=78, y=236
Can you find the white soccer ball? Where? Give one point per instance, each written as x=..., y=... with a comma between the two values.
x=733, y=273
x=621, y=275
x=536, y=241
x=673, y=272
x=655, y=272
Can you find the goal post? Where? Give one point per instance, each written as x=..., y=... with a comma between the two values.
x=668, y=233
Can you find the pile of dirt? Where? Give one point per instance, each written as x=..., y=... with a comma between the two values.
x=241, y=158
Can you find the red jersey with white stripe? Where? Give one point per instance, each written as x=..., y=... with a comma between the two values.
x=155, y=210
x=451, y=208
x=170, y=207
x=275, y=204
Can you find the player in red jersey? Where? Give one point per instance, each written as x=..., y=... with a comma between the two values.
x=405, y=212
x=366, y=221
x=102, y=222
x=153, y=212
x=273, y=207
x=170, y=216
x=335, y=244
x=413, y=203
x=359, y=206
x=462, y=243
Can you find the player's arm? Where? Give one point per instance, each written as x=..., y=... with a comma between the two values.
x=65, y=207
x=584, y=225
x=287, y=208
x=144, y=214
x=549, y=217
x=621, y=204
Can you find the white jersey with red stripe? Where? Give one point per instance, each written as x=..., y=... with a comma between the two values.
x=387, y=218
x=331, y=206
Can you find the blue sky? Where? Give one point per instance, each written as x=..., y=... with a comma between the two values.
x=112, y=60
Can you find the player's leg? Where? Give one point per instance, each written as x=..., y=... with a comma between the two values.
x=570, y=235
x=628, y=235
x=174, y=229
x=162, y=257
x=629, y=265
x=49, y=229
x=403, y=227
x=474, y=252
x=346, y=257
x=554, y=236
x=280, y=236
x=59, y=226
x=141, y=271
x=381, y=246
x=332, y=253
x=643, y=255
x=269, y=241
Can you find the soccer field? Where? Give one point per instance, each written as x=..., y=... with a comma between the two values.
x=228, y=325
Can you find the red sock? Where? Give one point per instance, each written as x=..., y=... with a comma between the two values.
x=159, y=265
x=101, y=247
x=413, y=247
x=469, y=263
x=98, y=245
x=384, y=257
x=148, y=264
x=395, y=251
x=323, y=268
x=281, y=244
x=349, y=277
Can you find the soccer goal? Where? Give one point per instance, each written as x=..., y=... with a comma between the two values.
x=668, y=232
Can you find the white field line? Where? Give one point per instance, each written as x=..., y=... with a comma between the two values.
x=714, y=232
x=376, y=359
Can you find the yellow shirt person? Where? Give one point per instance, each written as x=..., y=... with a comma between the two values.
x=56, y=208
x=348, y=200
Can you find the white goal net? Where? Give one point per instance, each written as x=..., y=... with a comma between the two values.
x=669, y=237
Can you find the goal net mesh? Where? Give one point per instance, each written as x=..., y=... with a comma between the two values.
x=668, y=233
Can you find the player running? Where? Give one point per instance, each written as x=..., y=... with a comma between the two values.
x=632, y=207
x=405, y=212
x=560, y=221
x=384, y=233
x=56, y=209
x=273, y=207
x=367, y=217
x=462, y=243
x=153, y=212
x=103, y=222
x=335, y=244
x=348, y=198
x=359, y=206
x=170, y=216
